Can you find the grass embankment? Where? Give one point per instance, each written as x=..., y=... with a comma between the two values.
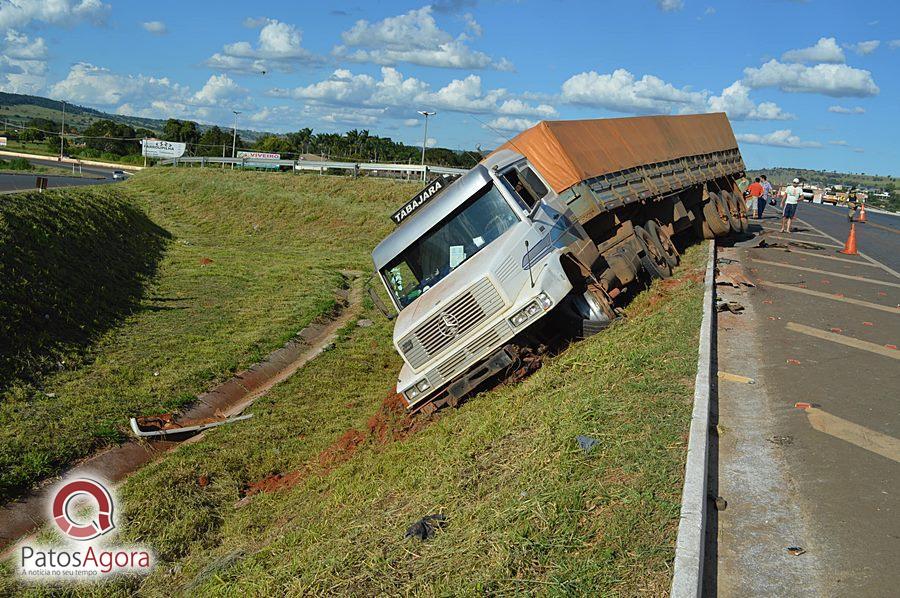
x=527, y=511
x=105, y=326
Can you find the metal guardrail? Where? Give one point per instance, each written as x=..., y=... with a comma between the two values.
x=311, y=165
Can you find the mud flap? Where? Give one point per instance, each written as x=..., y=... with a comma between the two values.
x=497, y=362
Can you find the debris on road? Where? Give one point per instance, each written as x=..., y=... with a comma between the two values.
x=795, y=550
x=735, y=378
x=781, y=440
x=732, y=306
x=720, y=503
x=424, y=528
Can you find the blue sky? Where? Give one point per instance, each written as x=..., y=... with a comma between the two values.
x=806, y=83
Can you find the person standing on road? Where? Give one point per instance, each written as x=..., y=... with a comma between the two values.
x=766, y=196
x=852, y=204
x=755, y=190
x=789, y=205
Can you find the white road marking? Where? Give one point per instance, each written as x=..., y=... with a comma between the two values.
x=827, y=273
x=864, y=438
x=848, y=341
x=832, y=296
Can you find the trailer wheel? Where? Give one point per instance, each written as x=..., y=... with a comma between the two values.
x=734, y=221
x=742, y=209
x=715, y=217
x=707, y=232
x=664, y=242
x=652, y=255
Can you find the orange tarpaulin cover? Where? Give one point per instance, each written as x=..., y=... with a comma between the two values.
x=567, y=152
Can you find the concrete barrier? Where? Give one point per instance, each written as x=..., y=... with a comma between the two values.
x=71, y=161
x=687, y=579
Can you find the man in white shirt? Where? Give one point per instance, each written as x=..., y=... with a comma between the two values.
x=789, y=205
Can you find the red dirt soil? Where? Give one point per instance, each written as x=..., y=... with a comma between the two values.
x=389, y=424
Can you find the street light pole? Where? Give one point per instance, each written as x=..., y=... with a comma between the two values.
x=234, y=138
x=62, y=132
x=426, y=114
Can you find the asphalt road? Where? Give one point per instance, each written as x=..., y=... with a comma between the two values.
x=94, y=175
x=808, y=455
x=878, y=238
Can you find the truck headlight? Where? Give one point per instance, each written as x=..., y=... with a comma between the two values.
x=423, y=385
x=540, y=303
x=416, y=389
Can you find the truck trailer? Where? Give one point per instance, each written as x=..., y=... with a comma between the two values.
x=543, y=237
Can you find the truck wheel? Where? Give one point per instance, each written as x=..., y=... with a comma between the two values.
x=663, y=242
x=742, y=209
x=595, y=313
x=707, y=232
x=715, y=217
x=652, y=256
x=734, y=221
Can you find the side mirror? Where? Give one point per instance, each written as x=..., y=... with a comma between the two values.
x=373, y=295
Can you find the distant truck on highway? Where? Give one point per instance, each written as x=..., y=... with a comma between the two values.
x=541, y=239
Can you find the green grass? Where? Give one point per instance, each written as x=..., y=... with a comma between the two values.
x=528, y=511
x=124, y=337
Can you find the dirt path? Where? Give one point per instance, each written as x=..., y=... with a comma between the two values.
x=22, y=517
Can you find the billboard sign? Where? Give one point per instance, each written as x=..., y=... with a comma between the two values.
x=258, y=155
x=2, y=141
x=155, y=148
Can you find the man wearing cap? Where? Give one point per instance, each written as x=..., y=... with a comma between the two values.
x=789, y=205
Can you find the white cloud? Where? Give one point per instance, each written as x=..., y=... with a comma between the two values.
x=430, y=142
x=411, y=122
x=620, y=91
x=845, y=110
x=838, y=142
x=279, y=47
x=826, y=50
x=710, y=10
x=670, y=5
x=23, y=63
x=894, y=44
x=19, y=13
x=781, y=138
x=404, y=94
x=155, y=27
x=735, y=101
x=514, y=125
x=866, y=47
x=415, y=38
x=153, y=97
x=837, y=80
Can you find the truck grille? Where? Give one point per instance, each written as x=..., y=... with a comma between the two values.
x=442, y=329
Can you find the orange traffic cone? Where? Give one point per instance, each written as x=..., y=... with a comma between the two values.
x=850, y=245
x=862, y=213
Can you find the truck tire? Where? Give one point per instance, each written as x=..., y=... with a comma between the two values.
x=594, y=313
x=652, y=255
x=734, y=221
x=742, y=208
x=715, y=217
x=707, y=232
x=737, y=208
x=663, y=242
x=592, y=327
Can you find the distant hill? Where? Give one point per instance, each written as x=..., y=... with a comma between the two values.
x=783, y=176
x=19, y=108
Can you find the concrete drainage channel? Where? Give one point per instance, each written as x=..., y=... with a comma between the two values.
x=23, y=517
x=687, y=579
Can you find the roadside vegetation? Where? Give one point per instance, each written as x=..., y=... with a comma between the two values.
x=314, y=494
x=132, y=299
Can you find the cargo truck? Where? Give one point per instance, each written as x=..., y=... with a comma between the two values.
x=543, y=237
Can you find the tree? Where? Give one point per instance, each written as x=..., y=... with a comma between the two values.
x=214, y=140
x=110, y=137
x=184, y=131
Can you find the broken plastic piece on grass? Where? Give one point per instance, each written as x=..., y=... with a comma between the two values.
x=837, y=330
x=793, y=361
x=868, y=324
x=890, y=347
x=587, y=443
x=795, y=550
x=425, y=527
x=767, y=301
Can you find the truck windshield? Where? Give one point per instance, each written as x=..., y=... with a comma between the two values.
x=471, y=227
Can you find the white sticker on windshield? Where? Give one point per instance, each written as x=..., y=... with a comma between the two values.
x=479, y=241
x=457, y=255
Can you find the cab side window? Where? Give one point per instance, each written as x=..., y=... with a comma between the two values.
x=528, y=193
